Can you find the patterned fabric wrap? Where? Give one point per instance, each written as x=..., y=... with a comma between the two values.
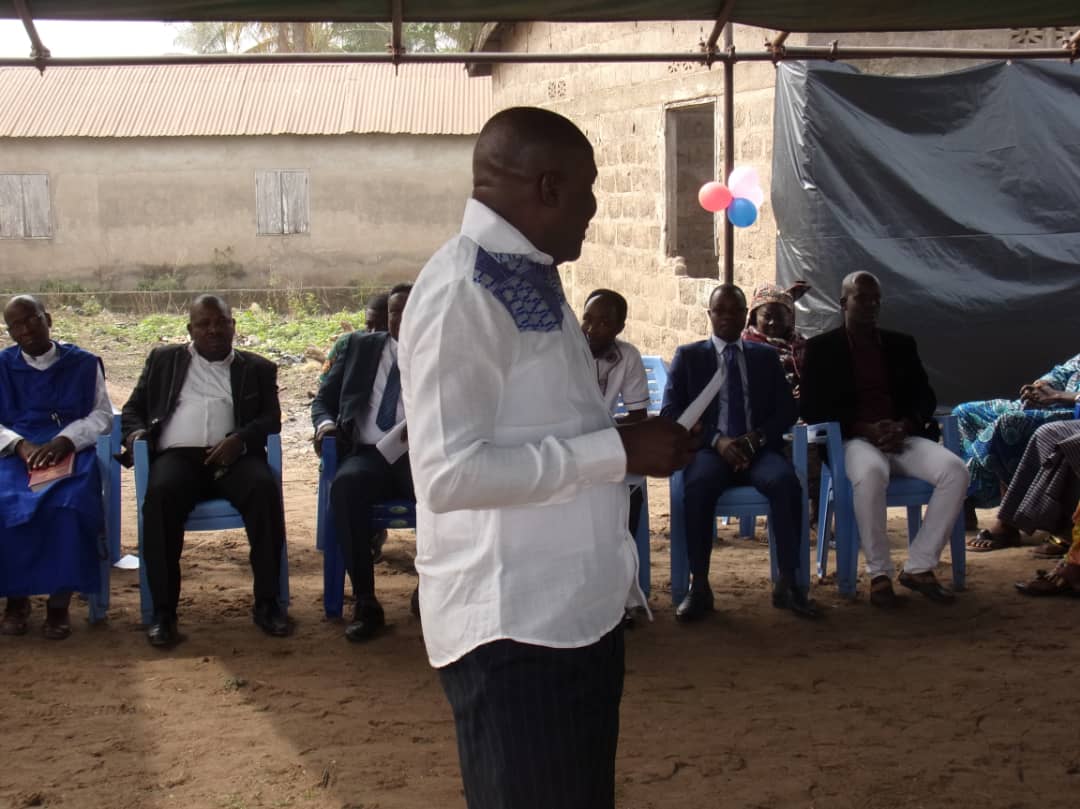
x=995, y=433
x=1046, y=486
x=792, y=352
x=531, y=292
x=771, y=293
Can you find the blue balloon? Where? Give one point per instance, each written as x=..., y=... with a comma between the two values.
x=742, y=213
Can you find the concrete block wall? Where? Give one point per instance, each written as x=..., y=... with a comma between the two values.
x=622, y=108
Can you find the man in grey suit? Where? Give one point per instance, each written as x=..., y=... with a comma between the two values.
x=359, y=403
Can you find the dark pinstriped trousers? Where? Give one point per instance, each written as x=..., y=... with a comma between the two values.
x=537, y=727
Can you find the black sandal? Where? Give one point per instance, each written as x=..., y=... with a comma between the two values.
x=992, y=542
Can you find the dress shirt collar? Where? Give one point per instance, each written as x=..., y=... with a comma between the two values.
x=225, y=363
x=42, y=361
x=496, y=235
x=720, y=345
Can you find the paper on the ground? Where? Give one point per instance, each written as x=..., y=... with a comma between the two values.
x=692, y=414
x=391, y=445
x=127, y=562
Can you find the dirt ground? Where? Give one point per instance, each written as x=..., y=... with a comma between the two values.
x=962, y=706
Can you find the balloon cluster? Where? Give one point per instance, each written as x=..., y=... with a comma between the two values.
x=741, y=197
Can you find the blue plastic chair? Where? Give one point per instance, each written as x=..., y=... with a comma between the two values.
x=391, y=514
x=902, y=491
x=738, y=500
x=209, y=515
x=109, y=542
x=656, y=374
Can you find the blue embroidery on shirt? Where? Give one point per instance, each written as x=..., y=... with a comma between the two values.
x=531, y=292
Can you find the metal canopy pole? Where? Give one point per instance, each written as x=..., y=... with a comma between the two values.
x=396, y=14
x=729, y=147
x=38, y=51
x=790, y=54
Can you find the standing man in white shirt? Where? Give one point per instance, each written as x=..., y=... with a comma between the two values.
x=53, y=403
x=206, y=411
x=525, y=562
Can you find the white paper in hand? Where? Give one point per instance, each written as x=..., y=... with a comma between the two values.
x=393, y=445
x=692, y=415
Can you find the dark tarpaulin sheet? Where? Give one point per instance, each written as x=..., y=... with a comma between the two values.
x=961, y=192
x=788, y=15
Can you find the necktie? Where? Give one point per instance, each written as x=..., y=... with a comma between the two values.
x=387, y=415
x=736, y=408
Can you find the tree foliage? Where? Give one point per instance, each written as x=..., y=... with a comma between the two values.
x=321, y=37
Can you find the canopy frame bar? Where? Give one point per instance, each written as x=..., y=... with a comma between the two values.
x=790, y=53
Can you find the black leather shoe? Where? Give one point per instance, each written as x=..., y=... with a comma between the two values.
x=414, y=603
x=791, y=597
x=368, y=619
x=163, y=632
x=927, y=584
x=270, y=618
x=697, y=604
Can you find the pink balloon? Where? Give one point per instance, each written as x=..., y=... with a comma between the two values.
x=714, y=196
x=742, y=179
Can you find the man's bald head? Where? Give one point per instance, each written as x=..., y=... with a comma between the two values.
x=520, y=143
x=27, y=300
x=28, y=324
x=215, y=301
x=847, y=286
x=535, y=168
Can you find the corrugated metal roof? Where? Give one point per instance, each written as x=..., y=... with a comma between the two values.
x=208, y=100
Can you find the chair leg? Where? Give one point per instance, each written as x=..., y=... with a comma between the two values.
x=914, y=522
x=333, y=581
x=283, y=578
x=774, y=572
x=641, y=539
x=146, y=601
x=680, y=561
x=747, y=524
x=99, y=601
x=825, y=513
x=958, y=552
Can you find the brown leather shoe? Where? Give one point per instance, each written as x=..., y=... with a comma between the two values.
x=882, y=594
x=57, y=623
x=16, y=617
x=927, y=584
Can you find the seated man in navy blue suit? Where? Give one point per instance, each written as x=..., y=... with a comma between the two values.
x=359, y=403
x=743, y=445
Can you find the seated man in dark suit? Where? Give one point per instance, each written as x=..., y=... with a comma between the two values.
x=359, y=403
x=743, y=431
x=205, y=410
x=873, y=383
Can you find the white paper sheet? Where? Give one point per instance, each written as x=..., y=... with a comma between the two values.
x=392, y=445
x=692, y=415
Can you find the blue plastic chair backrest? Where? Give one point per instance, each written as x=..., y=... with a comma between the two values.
x=656, y=374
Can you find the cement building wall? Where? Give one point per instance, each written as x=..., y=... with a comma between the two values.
x=151, y=212
x=622, y=108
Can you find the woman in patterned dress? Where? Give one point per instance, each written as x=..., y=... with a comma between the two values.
x=995, y=434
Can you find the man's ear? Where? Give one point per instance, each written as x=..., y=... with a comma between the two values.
x=551, y=188
x=619, y=330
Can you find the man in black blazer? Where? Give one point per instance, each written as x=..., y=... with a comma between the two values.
x=743, y=432
x=873, y=383
x=206, y=411
x=358, y=403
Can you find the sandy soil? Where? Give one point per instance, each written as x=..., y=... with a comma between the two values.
x=965, y=706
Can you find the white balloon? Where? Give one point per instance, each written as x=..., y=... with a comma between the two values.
x=756, y=196
x=742, y=179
